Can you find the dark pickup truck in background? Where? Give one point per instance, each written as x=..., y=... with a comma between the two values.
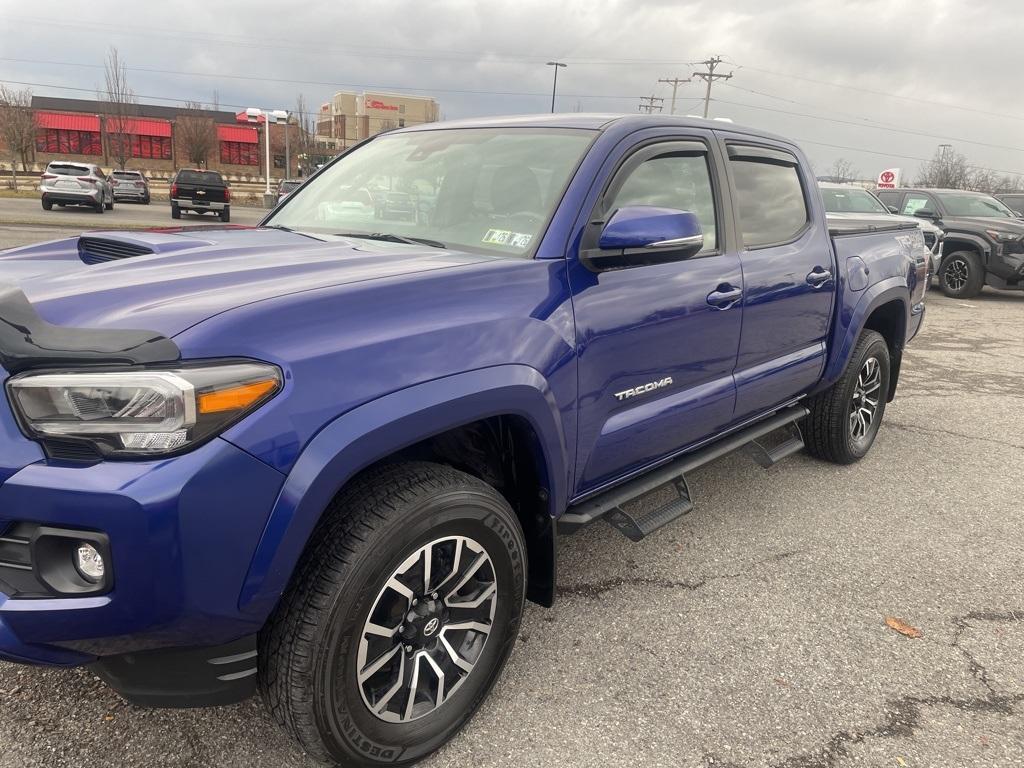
x=331, y=460
x=200, y=192
x=984, y=239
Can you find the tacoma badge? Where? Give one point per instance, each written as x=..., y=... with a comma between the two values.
x=643, y=389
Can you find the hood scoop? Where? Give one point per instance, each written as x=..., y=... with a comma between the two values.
x=97, y=250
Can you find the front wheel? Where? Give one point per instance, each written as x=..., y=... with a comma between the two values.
x=399, y=618
x=961, y=275
x=845, y=418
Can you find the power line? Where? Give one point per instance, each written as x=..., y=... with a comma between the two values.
x=891, y=129
x=675, y=82
x=929, y=102
x=710, y=77
x=650, y=105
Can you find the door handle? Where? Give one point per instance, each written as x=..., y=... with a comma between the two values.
x=818, y=276
x=725, y=296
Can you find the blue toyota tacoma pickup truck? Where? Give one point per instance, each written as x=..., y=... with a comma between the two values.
x=327, y=458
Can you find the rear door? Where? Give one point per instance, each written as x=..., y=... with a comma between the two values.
x=788, y=275
x=656, y=341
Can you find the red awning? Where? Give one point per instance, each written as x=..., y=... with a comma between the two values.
x=242, y=134
x=65, y=121
x=135, y=126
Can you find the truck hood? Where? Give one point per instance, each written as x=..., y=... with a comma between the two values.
x=986, y=222
x=168, y=280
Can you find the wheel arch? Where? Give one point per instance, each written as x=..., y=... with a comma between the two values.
x=962, y=241
x=427, y=420
x=884, y=308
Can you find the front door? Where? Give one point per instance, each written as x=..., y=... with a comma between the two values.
x=788, y=273
x=656, y=341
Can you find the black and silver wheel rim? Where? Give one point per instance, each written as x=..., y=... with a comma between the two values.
x=864, y=403
x=427, y=629
x=955, y=274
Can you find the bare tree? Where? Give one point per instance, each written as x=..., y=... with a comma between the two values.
x=17, y=127
x=842, y=171
x=948, y=169
x=195, y=134
x=305, y=142
x=122, y=107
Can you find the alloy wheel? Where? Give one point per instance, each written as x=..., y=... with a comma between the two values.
x=864, y=403
x=956, y=273
x=427, y=629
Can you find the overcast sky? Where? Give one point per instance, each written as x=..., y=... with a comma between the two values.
x=886, y=81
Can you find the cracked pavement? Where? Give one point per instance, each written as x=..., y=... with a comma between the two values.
x=749, y=634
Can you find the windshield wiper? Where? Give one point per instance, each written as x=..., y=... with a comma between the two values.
x=389, y=237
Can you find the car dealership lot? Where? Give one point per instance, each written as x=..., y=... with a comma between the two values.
x=749, y=634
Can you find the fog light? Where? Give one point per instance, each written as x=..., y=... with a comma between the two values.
x=89, y=562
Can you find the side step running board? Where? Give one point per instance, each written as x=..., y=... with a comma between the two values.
x=609, y=504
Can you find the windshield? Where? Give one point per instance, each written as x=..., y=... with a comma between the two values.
x=488, y=190
x=851, y=201
x=959, y=204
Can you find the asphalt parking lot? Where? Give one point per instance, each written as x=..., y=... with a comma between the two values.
x=135, y=215
x=750, y=634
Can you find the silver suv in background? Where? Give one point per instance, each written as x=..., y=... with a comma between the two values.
x=68, y=183
x=130, y=185
x=843, y=199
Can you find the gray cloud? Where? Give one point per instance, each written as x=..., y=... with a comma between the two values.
x=472, y=56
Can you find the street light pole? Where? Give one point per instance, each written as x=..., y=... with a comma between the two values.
x=253, y=115
x=554, y=86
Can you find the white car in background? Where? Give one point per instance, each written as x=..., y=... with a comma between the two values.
x=847, y=199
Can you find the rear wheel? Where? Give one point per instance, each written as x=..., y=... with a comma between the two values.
x=175, y=211
x=399, y=618
x=47, y=204
x=844, y=419
x=110, y=203
x=100, y=206
x=961, y=275
x=225, y=215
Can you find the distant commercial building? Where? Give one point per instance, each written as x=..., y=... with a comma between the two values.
x=350, y=117
x=157, y=138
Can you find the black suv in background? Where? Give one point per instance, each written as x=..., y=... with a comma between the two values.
x=200, y=191
x=984, y=242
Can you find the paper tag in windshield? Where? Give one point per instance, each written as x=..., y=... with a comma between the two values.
x=507, y=237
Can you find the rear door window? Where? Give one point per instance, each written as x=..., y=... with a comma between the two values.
x=769, y=196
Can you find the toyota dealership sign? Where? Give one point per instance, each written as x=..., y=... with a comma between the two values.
x=889, y=178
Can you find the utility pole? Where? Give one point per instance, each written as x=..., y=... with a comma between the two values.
x=650, y=105
x=554, y=86
x=675, y=82
x=710, y=77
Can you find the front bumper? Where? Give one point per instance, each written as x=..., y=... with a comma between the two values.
x=182, y=532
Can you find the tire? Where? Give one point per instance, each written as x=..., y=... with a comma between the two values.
x=47, y=204
x=831, y=431
x=175, y=211
x=145, y=201
x=110, y=205
x=961, y=275
x=225, y=215
x=100, y=206
x=313, y=646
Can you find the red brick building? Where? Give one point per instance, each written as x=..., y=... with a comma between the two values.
x=84, y=130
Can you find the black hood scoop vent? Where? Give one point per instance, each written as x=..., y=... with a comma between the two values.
x=97, y=250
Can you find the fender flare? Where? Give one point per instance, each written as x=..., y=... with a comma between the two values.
x=378, y=429
x=850, y=325
x=978, y=242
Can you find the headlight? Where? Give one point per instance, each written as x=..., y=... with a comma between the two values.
x=1001, y=236
x=139, y=413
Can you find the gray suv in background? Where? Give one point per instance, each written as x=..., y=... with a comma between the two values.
x=130, y=185
x=67, y=183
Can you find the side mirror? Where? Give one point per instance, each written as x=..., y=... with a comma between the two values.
x=893, y=209
x=926, y=213
x=652, y=230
